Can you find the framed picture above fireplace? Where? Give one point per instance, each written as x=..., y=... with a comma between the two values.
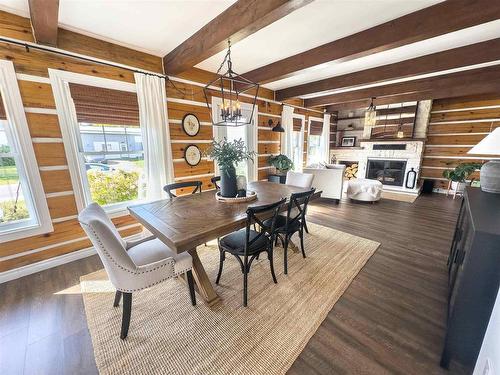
x=348, y=141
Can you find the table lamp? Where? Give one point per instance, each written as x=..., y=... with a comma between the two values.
x=490, y=171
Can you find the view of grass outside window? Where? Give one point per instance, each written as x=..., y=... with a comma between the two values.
x=12, y=205
x=114, y=162
x=314, y=148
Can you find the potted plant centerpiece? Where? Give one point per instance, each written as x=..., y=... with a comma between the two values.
x=281, y=162
x=459, y=175
x=226, y=154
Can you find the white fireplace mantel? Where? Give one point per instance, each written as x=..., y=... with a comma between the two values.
x=412, y=155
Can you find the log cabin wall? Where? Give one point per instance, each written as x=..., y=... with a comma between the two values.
x=455, y=126
x=32, y=74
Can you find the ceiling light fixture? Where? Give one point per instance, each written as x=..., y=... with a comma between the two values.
x=371, y=115
x=230, y=86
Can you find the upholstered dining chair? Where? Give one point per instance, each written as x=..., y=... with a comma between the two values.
x=303, y=180
x=293, y=222
x=132, y=266
x=196, y=185
x=246, y=244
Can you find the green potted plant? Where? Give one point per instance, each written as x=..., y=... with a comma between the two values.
x=226, y=154
x=459, y=175
x=282, y=163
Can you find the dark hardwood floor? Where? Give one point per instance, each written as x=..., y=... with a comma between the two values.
x=390, y=320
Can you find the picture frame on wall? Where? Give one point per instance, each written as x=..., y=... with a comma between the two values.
x=348, y=141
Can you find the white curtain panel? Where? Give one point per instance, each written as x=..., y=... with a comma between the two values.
x=158, y=164
x=325, y=139
x=287, y=124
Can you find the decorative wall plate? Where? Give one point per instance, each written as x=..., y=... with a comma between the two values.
x=190, y=124
x=192, y=155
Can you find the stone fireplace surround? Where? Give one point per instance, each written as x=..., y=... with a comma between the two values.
x=412, y=155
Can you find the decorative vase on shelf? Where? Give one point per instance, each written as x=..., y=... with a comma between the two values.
x=228, y=188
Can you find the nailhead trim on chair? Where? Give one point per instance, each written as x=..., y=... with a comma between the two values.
x=101, y=245
x=172, y=263
x=150, y=285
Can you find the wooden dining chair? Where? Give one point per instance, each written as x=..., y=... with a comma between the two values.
x=303, y=180
x=214, y=180
x=293, y=222
x=246, y=244
x=180, y=185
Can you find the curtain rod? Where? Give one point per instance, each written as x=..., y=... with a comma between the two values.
x=29, y=45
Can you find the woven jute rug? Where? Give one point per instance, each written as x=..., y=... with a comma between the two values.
x=169, y=336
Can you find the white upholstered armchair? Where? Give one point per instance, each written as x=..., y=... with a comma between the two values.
x=132, y=266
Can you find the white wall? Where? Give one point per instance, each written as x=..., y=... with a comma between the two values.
x=490, y=348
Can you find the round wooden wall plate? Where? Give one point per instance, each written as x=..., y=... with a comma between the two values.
x=192, y=155
x=190, y=124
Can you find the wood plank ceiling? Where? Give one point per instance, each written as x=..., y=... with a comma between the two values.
x=468, y=69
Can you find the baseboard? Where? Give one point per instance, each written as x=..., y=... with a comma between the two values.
x=29, y=269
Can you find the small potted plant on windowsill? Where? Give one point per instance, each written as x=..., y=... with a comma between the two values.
x=281, y=162
x=226, y=154
x=458, y=176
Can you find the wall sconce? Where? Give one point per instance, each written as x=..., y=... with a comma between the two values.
x=276, y=128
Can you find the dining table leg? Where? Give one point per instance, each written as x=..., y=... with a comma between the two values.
x=204, y=286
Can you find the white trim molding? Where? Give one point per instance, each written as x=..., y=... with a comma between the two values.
x=18, y=133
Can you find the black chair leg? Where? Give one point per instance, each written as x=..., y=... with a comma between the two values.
x=301, y=235
x=221, y=263
x=285, y=263
x=189, y=275
x=245, y=282
x=127, y=312
x=118, y=296
x=305, y=226
x=270, y=257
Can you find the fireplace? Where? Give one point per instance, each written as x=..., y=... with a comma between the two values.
x=389, y=172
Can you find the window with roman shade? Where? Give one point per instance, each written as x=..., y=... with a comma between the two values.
x=99, y=105
x=315, y=127
x=297, y=124
x=314, y=152
x=297, y=143
x=110, y=144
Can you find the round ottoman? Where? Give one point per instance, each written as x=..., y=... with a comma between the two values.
x=365, y=190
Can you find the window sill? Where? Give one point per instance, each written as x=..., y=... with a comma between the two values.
x=23, y=232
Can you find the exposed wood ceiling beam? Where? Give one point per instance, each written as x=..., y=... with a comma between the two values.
x=450, y=59
x=44, y=16
x=240, y=20
x=429, y=22
x=481, y=76
x=458, y=91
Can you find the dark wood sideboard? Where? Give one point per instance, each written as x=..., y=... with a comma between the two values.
x=474, y=275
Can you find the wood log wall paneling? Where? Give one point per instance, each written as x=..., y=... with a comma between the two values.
x=455, y=126
x=32, y=69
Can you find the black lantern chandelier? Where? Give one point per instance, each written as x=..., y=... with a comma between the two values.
x=230, y=87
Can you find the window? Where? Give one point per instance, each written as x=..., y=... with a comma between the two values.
x=100, y=124
x=314, y=154
x=298, y=143
x=23, y=207
x=113, y=159
x=248, y=133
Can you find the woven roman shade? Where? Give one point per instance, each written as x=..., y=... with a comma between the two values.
x=3, y=114
x=97, y=105
x=297, y=124
x=316, y=128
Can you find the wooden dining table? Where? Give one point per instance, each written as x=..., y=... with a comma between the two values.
x=185, y=222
